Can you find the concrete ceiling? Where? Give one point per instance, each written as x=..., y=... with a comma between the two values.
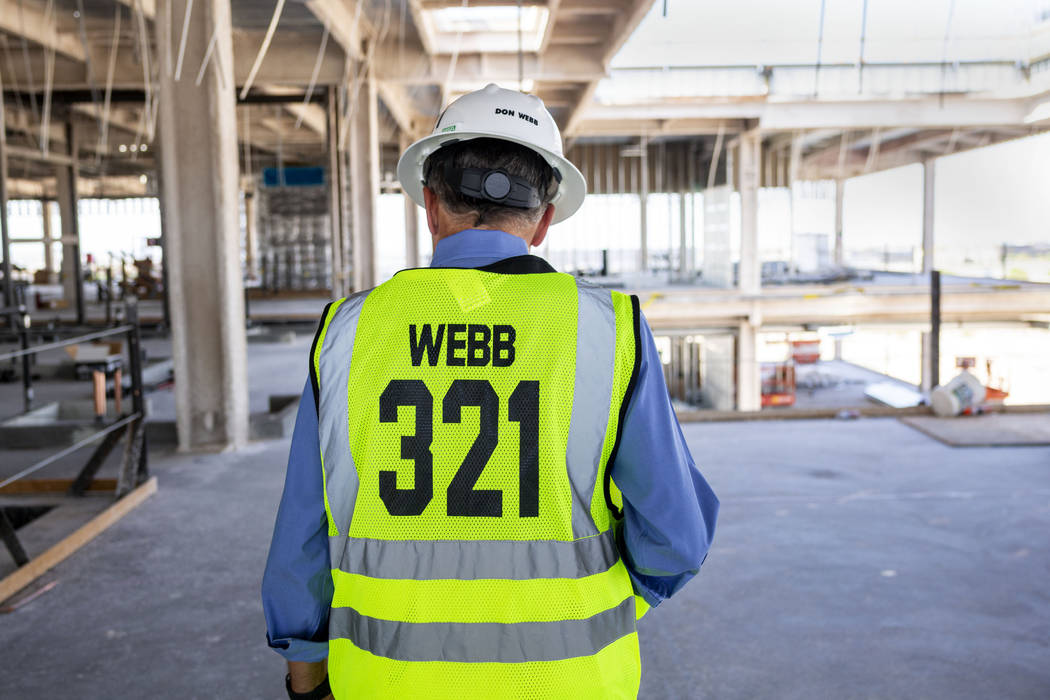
x=60, y=58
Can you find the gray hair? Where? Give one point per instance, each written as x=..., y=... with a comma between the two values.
x=490, y=154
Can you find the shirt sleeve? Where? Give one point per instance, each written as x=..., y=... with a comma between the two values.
x=297, y=583
x=669, y=509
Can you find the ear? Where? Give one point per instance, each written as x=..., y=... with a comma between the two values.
x=542, y=226
x=430, y=202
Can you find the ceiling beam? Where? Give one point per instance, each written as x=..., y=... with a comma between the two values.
x=286, y=63
x=925, y=112
x=579, y=8
x=410, y=120
x=149, y=7
x=351, y=28
x=553, y=11
x=559, y=64
x=346, y=20
x=623, y=27
x=658, y=127
x=26, y=20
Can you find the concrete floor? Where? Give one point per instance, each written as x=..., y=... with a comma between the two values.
x=853, y=559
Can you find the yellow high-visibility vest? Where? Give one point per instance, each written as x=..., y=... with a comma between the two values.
x=467, y=419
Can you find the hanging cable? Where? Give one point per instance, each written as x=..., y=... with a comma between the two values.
x=713, y=170
x=114, y=47
x=144, y=126
x=49, y=77
x=314, y=74
x=247, y=141
x=26, y=64
x=15, y=86
x=944, y=52
x=263, y=49
x=89, y=68
x=364, y=71
x=521, y=54
x=820, y=50
x=860, y=59
x=207, y=57
x=182, y=38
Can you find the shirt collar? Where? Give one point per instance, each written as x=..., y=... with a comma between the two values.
x=476, y=248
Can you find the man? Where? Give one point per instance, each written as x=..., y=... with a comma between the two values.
x=487, y=483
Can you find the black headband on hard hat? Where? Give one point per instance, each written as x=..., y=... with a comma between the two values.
x=497, y=186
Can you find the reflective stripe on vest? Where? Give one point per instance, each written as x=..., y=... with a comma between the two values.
x=477, y=559
x=481, y=641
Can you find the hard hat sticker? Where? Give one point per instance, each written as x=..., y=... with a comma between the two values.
x=450, y=127
x=506, y=111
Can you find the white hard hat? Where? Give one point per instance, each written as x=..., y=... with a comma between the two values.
x=494, y=112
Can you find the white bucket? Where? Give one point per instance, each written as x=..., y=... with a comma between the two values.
x=963, y=393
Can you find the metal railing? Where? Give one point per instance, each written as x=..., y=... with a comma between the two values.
x=134, y=467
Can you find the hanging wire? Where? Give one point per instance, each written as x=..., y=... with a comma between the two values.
x=207, y=58
x=17, y=90
x=521, y=54
x=114, y=47
x=263, y=49
x=365, y=70
x=49, y=77
x=314, y=74
x=820, y=50
x=863, y=35
x=247, y=140
x=147, y=116
x=26, y=64
x=182, y=38
x=89, y=67
x=452, y=61
x=944, y=52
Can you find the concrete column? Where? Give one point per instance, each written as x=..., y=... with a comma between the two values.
x=749, y=171
x=643, y=195
x=411, y=220
x=928, y=170
x=198, y=157
x=748, y=375
x=48, y=233
x=840, y=190
x=364, y=180
x=336, y=180
x=72, y=277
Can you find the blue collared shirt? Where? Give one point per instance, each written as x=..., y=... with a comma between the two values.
x=669, y=509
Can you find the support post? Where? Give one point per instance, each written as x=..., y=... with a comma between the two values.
x=72, y=270
x=750, y=149
x=49, y=248
x=336, y=180
x=683, y=236
x=5, y=232
x=249, y=235
x=643, y=201
x=840, y=190
x=411, y=220
x=935, y=328
x=748, y=376
x=928, y=171
x=199, y=162
x=364, y=180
